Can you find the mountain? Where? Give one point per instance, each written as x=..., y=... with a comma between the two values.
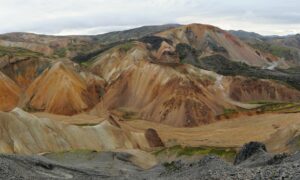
x=59, y=90
x=135, y=33
x=210, y=40
x=172, y=95
x=50, y=46
x=73, y=46
x=247, y=36
x=161, y=77
x=148, y=79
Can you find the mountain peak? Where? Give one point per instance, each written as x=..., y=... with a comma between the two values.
x=210, y=40
x=58, y=90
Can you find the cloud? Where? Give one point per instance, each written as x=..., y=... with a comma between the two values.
x=99, y=16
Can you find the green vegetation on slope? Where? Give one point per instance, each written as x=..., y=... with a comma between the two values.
x=280, y=51
x=276, y=106
x=132, y=34
x=228, y=112
x=265, y=107
x=85, y=58
x=187, y=54
x=17, y=52
x=226, y=153
x=126, y=46
x=222, y=65
x=60, y=52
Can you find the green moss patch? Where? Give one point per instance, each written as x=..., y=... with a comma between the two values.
x=60, y=52
x=178, y=151
x=230, y=111
x=273, y=107
x=126, y=46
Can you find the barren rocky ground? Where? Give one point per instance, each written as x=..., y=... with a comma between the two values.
x=252, y=162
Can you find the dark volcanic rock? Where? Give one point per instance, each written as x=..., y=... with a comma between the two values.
x=249, y=150
x=277, y=159
x=155, y=41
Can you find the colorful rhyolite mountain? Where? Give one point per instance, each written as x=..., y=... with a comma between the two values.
x=158, y=77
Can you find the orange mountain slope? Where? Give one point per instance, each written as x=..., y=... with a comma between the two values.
x=24, y=72
x=59, y=90
x=9, y=93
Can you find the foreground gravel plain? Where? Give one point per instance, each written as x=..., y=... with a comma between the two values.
x=252, y=162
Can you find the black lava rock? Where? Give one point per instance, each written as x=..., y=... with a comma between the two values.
x=249, y=150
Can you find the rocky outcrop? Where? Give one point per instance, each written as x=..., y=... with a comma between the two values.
x=249, y=150
x=153, y=138
x=254, y=154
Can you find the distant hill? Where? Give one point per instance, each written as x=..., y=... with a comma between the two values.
x=285, y=47
x=135, y=33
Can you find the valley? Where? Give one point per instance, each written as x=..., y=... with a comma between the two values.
x=144, y=101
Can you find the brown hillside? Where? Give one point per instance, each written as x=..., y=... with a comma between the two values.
x=246, y=89
x=180, y=96
x=9, y=93
x=140, y=86
x=59, y=90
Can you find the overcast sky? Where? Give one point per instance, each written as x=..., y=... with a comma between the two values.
x=66, y=17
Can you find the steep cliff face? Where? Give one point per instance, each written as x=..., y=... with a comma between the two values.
x=59, y=90
x=9, y=93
